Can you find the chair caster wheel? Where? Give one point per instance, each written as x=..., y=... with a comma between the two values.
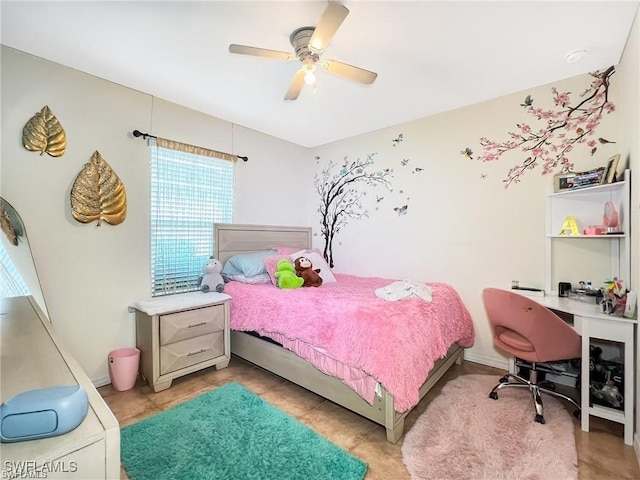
x=577, y=414
x=504, y=379
x=540, y=419
x=493, y=395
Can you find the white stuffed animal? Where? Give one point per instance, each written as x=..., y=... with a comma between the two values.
x=212, y=280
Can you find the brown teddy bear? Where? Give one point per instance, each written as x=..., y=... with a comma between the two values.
x=304, y=269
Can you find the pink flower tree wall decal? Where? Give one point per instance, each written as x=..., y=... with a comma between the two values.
x=566, y=125
x=340, y=198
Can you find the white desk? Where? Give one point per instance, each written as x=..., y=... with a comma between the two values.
x=590, y=323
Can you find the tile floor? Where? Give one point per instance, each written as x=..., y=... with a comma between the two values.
x=602, y=454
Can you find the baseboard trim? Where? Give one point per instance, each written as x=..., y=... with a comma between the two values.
x=485, y=360
x=101, y=381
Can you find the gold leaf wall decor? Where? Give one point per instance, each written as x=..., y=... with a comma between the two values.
x=43, y=133
x=98, y=194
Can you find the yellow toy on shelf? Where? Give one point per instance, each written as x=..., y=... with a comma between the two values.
x=569, y=227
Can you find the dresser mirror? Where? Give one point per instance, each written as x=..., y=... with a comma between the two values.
x=19, y=274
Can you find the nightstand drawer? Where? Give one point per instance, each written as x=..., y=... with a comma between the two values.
x=189, y=352
x=180, y=326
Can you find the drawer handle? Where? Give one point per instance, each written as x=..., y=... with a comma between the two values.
x=197, y=325
x=196, y=353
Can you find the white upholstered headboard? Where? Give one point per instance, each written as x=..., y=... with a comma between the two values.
x=233, y=239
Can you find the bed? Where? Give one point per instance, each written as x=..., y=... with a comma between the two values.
x=270, y=353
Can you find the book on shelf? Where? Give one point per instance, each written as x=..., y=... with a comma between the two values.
x=577, y=180
x=595, y=176
x=586, y=183
x=589, y=178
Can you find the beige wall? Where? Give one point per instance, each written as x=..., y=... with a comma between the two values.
x=461, y=228
x=90, y=274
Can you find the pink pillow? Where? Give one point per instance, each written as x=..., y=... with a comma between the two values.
x=271, y=263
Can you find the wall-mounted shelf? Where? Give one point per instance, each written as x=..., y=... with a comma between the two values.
x=607, y=187
x=595, y=258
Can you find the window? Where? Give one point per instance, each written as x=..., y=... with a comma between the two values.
x=11, y=283
x=189, y=193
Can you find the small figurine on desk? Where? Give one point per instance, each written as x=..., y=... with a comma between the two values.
x=608, y=305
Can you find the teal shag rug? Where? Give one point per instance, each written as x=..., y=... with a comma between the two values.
x=230, y=433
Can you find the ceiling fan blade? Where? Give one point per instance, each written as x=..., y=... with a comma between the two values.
x=330, y=21
x=261, y=52
x=296, y=85
x=350, y=72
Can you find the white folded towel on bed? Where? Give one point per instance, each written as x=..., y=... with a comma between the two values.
x=404, y=289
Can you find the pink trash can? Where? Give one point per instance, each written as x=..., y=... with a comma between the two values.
x=123, y=368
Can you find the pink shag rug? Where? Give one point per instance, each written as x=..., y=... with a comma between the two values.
x=463, y=434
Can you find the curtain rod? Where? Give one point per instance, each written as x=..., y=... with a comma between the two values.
x=138, y=133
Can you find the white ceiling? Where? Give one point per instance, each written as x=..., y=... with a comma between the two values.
x=430, y=56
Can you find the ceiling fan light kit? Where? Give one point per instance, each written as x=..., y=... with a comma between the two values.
x=308, y=44
x=309, y=76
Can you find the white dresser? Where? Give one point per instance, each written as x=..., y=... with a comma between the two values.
x=31, y=357
x=180, y=334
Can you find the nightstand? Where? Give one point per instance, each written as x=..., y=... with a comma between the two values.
x=181, y=334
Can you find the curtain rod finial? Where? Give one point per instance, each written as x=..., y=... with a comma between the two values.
x=246, y=159
x=138, y=133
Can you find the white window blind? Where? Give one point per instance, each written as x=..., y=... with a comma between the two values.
x=189, y=193
x=11, y=283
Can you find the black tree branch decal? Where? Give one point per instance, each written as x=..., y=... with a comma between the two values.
x=340, y=197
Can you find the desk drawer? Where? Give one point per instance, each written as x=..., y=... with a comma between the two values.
x=191, y=351
x=176, y=327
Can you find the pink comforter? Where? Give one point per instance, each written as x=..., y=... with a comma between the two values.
x=397, y=343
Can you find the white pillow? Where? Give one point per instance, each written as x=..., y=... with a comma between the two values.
x=317, y=261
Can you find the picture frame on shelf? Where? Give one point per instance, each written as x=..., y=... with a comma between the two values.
x=563, y=182
x=611, y=169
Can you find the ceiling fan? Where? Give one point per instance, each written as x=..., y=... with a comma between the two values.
x=308, y=44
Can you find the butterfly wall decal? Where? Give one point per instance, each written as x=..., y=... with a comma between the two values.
x=401, y=210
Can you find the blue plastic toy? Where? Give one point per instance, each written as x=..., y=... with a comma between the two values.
x=42, y=413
